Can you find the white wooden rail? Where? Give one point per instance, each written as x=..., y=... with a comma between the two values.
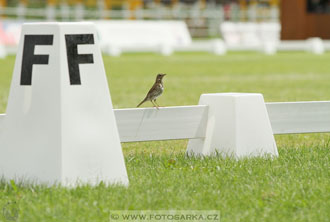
x=187, y=122
x=181, y=122
x=299, y=117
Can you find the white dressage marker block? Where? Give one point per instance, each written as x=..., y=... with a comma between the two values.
x=60, y=125
x=237, y=125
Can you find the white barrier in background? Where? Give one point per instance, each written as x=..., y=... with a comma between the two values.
x=215, y=46
x=313, y=45
x=251, y=36
x=60, y=125
x=10, y=31
x=132, y=36
x=265, y=37
x=127, y=35
x=326, y=44
x=316, y=46
x=3, y=51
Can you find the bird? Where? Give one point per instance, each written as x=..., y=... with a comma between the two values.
x=155, y=91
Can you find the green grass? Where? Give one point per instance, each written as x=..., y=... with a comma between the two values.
x=293, y=187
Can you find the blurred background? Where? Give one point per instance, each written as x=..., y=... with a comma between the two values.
x=202, y=16
x=235, y=24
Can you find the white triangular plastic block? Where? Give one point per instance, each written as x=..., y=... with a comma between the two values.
x=60, y=125
x=237, y=125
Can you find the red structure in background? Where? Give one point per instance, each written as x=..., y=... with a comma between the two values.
x=302, y=19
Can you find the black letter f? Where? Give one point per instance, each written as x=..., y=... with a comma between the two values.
x=74, y=59
x=29, y=58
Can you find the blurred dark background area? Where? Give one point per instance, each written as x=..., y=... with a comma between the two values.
x=318, y=6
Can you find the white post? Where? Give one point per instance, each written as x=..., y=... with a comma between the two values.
x=166, y=49
x=316, y=46
x=51, y=13
x=101, y=8
x=113, y=50
x=65, y=11
x=269, y=47
x=79, y=11
x=21, y=10
x=60, y=125
x=219, y=47
x=274, y=13
x=3, y=51
x=252, y=11
x=237, y=125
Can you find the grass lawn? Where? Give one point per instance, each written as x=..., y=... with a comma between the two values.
x=293, y=187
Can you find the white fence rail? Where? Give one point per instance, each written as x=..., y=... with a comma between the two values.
x=299, y=117
x=183, y=122
x=188, y=122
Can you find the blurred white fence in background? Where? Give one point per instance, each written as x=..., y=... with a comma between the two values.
x=201, y=23
x=202, y=17
x=167, y=36
x=251, y=35
x=265, y=37
x=141, y=35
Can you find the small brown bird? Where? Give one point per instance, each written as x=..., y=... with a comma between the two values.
x=155, y=91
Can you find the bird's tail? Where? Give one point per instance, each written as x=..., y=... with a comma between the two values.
x=145, y=99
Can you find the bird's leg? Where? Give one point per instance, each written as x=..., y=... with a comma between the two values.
x=154, y=104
